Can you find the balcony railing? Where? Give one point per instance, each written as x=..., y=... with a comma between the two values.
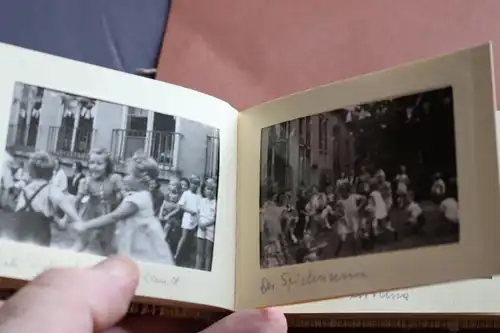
x=70, y=142
x=160, y=145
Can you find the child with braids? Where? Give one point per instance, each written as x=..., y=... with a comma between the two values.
x=138, y=232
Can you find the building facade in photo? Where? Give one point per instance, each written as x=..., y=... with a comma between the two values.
x=297, y=152
x=69, y=126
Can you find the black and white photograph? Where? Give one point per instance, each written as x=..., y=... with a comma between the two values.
x=91, y=176
x=371, y=178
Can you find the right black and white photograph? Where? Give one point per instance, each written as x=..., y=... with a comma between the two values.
x=370, y=178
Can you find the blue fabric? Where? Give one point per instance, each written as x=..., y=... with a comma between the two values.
x=119, y=34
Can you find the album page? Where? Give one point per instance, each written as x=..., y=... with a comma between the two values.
x=98, y=163
x=478, y=296
x=380, y=182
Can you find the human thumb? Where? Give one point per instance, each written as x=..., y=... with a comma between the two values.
x=72, y=300
x=251, y=321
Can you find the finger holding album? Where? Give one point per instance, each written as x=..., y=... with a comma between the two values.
x=313, y=196
x=50, y=303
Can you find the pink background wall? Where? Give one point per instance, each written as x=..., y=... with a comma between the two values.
x=247, y=52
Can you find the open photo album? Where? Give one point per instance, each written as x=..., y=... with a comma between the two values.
x=385, y=181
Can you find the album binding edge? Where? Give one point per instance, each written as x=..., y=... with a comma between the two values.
x=452, y=322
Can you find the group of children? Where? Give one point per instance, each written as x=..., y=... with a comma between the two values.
x=355, y=208
x=111, y=214
x=188, y=211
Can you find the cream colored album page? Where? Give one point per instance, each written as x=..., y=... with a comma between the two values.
x=478, y=296
x=98, y=163
x=384, y=181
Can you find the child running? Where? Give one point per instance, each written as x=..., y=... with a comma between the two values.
x=138, y=232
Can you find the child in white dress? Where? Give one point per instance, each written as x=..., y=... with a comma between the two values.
x=206, y=226
x=402, y=183
x=380, y=214
x=138, y=232
x=348, y=223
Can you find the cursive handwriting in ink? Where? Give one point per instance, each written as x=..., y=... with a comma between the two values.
x=391, y=296
x=266, y=285
x=154, y=279
x=37, y=266
x=290, y=281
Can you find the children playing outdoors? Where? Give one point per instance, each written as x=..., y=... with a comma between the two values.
x=138, y=233
x=350, y=217
x=140, y=214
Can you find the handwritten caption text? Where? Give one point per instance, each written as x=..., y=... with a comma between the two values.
x=290, y=281
x=36, y=266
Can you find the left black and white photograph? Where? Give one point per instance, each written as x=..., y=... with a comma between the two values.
x=86, y=175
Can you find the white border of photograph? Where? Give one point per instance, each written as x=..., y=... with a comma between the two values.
x=162, y=282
